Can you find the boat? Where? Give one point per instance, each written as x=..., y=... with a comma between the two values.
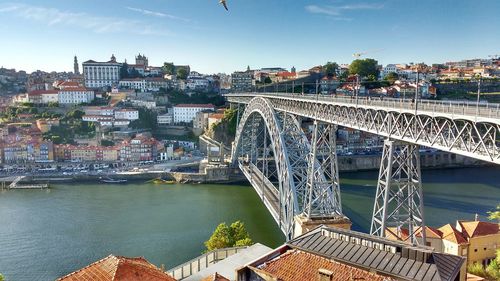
x=161, y=181
x=110, y=180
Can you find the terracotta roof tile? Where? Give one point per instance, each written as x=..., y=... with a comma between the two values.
x=472, y=229
x=113, y=268
x=298, y=265
x=452, y=234
x=215, y=277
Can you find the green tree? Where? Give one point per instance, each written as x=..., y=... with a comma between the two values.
x=182, y=73
x=1, y=277
x=168, y=68
x=495, y=215
x=391, y=77
x=268, y=80
x=330, y=69
x=221, y=238
x=364, y=67
x=124, y=71
x=107, y=143
x=226, y=236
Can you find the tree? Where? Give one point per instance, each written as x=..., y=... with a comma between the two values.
x=168, y=68
x=391, y=77
x=229, y=236
x=364, y=67
x=124, y=71
x=330, y=69
x=182, y=73
x=268, y=80
x=495, y=215
x=1, y=277
x=107, y=143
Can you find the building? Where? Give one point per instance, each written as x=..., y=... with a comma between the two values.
x=126, y=114
x=44, y=125
x=185, y=113
x=140, y=148
x=214, y=118
x=200, y=121
x=476, y=241
x=117, y=268
x=242, y=81
x=148, y=84
x=165, y=119
x=101, y=74
x=75, y=96
x=76, y=68
x=334, y=254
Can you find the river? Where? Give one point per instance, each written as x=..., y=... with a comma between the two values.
x=47, y=234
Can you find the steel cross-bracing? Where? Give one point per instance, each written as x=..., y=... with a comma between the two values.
x=398, y=209
x=296, y=176
x=275, y=155
x=455, y=127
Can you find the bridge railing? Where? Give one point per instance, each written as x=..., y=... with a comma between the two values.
x=197, y=264
x=464, y=108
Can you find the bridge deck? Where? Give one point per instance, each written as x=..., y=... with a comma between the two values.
x=264, y=188
x=452, y=109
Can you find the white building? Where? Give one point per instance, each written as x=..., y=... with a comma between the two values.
x=101, y=74
x=165, y=119
x=187, y=112
x=144, y=84
x=75, y=96
x=98, y=110
x=143, y=103
x=127, y=114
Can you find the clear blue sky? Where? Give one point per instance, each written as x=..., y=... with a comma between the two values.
x=46, y=34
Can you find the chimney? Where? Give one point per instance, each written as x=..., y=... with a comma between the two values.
x=325, y=275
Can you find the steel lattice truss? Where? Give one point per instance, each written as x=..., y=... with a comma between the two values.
x=272, y=145
x=398, y=208
x=323, y=188
x=464, y=134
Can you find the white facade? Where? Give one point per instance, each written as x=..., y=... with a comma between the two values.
x=144, y=84
x=165, y=119
x=75, y=96
x=101, y=74
x=50, y=97
x=127, y=114
x=187, y=112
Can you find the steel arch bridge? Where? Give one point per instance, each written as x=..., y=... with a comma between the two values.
x=295, y=172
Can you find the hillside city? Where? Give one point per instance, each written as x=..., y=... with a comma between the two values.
x=118, y=113
x=113, y=121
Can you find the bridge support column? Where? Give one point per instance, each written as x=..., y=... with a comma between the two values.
x=398, y=210
x=322, y=203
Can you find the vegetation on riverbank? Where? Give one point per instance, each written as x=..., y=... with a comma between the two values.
x=226, y=236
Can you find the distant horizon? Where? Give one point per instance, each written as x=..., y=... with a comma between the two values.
x=45, y=35
x=228, y=73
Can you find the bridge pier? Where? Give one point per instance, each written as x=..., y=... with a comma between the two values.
x=322, y=202
x=398, y=208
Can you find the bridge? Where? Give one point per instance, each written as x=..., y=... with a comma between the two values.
x=294, y=167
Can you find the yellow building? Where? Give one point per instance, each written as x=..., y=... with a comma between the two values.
x=476, y=241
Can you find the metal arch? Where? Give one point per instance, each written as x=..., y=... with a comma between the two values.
x=287, y=192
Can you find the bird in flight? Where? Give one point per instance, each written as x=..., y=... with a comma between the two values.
x=224, y=3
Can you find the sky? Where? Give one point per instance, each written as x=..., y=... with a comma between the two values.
x=46, y=34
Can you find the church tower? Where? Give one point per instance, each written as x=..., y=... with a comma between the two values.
x=76, y=68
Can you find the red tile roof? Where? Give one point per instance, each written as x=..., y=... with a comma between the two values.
x=297, y=265
x=119, y=268
x=471, y=229
x=215, y=277
x=452, y=234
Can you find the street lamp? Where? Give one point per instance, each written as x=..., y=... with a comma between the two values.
x=478, y=94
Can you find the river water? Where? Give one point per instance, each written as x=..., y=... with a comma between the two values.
x=47, y=234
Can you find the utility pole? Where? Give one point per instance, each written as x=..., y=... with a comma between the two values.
x=478, y=95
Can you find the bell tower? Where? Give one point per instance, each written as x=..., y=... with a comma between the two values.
x=76, y=68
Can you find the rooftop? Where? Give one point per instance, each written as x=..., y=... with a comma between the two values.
x=196, y=105
x=116, y=268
